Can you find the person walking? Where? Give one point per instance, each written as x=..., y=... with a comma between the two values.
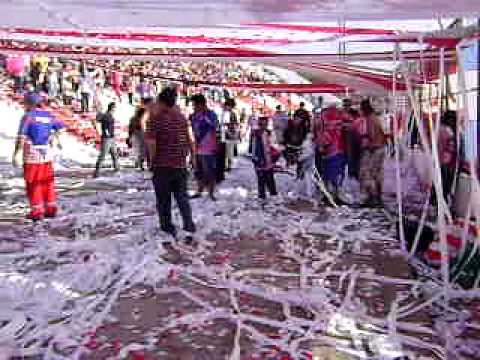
x=86, y=91
x=108, y=145
x=264, y=158
x=130, y=86
x=303, y=114
x=136, y=138
x=204, y=123
x=144, y=89
x=35, y=137
x=116, y=81
x=293, y=138
x=173, y=143
x=280, y=124
x=372, y=166
x=53, y=84
x=231, y=132
x=332, y=148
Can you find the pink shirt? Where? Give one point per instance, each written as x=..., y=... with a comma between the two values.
x=333, y=141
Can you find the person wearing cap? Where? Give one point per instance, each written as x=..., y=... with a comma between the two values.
x=35, y=137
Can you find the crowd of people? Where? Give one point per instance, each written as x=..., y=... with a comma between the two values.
x=170, y=138
x=85, y=83
x=345, y=141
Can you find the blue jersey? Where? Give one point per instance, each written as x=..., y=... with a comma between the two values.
x=36, y=128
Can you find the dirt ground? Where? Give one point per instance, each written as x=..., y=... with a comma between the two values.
x=142, y=311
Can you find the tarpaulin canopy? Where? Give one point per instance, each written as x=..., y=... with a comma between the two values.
x=231, y=30
x=90, y=14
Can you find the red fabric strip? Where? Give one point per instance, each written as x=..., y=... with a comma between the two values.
x=327, y=29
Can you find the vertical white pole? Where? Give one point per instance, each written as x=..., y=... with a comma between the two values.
x=397, y=153
x=441, y=222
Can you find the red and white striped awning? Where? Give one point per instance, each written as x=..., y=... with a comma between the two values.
x=94, y=14
x=282, y=33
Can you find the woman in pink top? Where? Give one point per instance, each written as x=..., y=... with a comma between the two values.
x=117, y=83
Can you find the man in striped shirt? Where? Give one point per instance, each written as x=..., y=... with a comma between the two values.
x=173, y=143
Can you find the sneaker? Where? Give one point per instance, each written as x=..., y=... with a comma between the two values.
x=340, y=201
x=185, y=238
x=262, y=202
x=35, y=217
x=213, y=198
x=196, y=196
x=367, y=204
x=170, y=238
x=378, y=203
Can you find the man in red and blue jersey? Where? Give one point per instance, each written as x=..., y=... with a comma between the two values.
x=35, y=136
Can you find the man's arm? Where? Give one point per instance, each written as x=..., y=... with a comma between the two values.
x=19, y=141
x=16, y=152
x=191, y=143
x=143, y=121
x=149, y=132
x=57, y=137
x=95, y=122
x=191, y=138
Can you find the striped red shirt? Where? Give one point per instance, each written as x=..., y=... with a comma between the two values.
x=171, y=135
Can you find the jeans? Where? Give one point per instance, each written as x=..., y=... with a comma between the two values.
x=19, y=83
x=168, y=181
x=230, y=153
x=138, y=144
x=371, y=173
x=221, y=155
x=206, y=171
x=52, y=90
x=333, y=170
x=266, y=180
x=85, y=102
x=108, y=146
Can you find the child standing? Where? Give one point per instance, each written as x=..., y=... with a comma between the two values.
x=264, y=158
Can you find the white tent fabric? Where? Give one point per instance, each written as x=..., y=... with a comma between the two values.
x=231, y=30
x=147, y=13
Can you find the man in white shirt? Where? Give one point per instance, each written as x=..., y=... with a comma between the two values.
x=86, y=91
x=229, y=132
